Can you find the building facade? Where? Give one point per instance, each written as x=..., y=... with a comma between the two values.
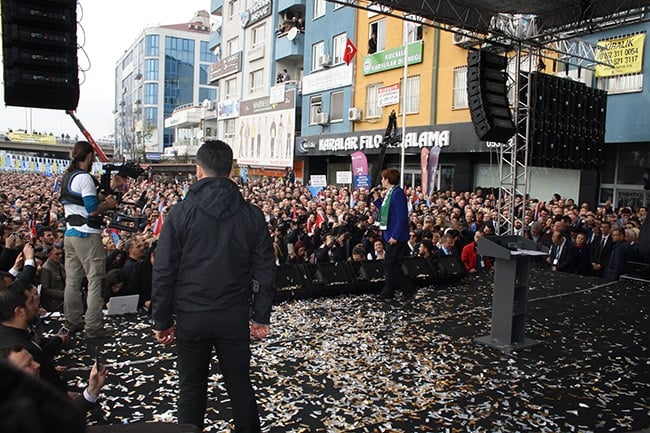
x=166, y=67
x=330, y=109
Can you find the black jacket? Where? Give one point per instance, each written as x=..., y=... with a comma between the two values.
x=20, y=337
x=212, y=245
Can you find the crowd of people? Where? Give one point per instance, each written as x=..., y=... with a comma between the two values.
x=72, y=251
x=335, y=224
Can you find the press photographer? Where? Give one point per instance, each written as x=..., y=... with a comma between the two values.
x=84, y=251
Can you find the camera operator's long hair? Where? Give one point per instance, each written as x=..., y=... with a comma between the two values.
x=78, y=153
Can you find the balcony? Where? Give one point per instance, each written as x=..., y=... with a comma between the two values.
x=286, y=49
x=216, y=7
x=283, y=5
x=215, y=39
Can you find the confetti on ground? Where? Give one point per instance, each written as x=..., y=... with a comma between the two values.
x=355, y=364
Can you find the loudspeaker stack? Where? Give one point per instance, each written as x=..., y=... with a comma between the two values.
x=39, y=42
x=488, y=96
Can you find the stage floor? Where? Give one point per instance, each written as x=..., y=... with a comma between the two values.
x=355, y=364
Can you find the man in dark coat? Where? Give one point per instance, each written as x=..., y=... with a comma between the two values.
x=560, y=257
x=211, y=248
x=621, y=254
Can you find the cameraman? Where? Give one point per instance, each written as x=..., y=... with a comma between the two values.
x=84, y=251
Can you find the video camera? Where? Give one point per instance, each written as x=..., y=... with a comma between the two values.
x=128, y=169
x=119, y=219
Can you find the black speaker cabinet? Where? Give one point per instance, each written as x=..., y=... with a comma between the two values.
x=39, y=42
x=291, y=282
x=420, y=270
x=488, y=96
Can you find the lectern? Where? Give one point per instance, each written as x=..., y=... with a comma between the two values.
x=510, y=298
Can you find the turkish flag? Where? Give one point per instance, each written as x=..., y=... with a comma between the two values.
x=350, y=51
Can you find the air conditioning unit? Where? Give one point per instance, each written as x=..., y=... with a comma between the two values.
x=322, y=118
x=463, y=40
x=325, y=60
x=354, y=114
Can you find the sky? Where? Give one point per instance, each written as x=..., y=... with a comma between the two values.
x=109, y=29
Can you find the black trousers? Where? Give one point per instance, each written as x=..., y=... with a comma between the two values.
x=395, y=277
x=230, y=338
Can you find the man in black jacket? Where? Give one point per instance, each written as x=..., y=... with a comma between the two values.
x=211, y=248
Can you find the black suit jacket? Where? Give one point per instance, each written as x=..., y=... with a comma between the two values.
x=600, y=254
x=565, y=259
x=13, y=336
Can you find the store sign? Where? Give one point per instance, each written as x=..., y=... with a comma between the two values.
x=625, y=54
x=413, y=139
x=392, y=59
x=227, y=66
x=260, y=10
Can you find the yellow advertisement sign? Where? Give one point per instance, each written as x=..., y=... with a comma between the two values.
x=625, y=54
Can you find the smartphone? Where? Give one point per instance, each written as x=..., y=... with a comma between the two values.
x=98, y=359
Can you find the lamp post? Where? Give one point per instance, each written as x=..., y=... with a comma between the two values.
x=404, y=86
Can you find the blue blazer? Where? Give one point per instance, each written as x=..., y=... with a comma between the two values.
x=398, y=223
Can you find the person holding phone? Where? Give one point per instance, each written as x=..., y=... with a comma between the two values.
x=211, y=248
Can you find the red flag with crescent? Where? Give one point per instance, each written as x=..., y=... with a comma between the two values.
x=350, y=51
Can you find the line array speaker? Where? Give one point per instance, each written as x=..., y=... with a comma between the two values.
x=39, y=42
x=487, y=96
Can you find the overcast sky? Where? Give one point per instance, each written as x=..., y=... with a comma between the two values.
x=110, y=27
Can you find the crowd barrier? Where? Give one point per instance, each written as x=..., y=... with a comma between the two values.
x=305, y=281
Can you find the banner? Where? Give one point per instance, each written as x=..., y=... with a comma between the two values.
x=625, y=54
x=424, y=162
x=432, y=168
x=360, y=170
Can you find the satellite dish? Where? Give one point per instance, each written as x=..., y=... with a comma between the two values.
x=291, y=35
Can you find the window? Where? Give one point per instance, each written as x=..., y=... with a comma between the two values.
x=151, y=93
x=338, y=49
x=206, y=55
x=233, y=9
x=372, y=101
x=204, y=73
x=317, y=50
x=378, y=29
x=258, y=35
x=628, y=83
x=413, y=29
x=229, y=89
x=460, y=88
x=229, y=129
x=256, y=81
x=209, y=93
x=336, y=106
x=315, y=105
x=152, y=44
x=412, y=90
x=150, y=116
x=232, y=46
x=319, y=8
x=341, y=3
x=151, y=69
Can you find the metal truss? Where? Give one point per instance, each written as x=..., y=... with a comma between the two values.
x=514, y=155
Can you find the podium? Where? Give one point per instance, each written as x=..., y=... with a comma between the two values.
x=510, y=298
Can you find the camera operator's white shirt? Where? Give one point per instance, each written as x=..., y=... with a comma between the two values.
x=81, y=183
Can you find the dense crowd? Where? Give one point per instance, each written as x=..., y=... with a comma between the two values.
x=306, y=225
x=311, y=226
